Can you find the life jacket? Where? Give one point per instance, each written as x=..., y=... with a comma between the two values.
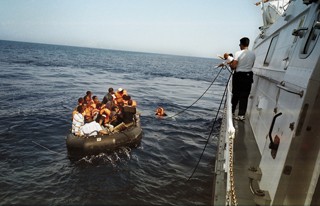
x=160, y=112
x=94, y=105
x=105, y=112
x=134, y=103
x=119, y=96
x=94, y=113
x=88, y=113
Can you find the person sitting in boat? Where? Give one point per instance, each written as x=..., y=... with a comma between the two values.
x=88, y=112
x=127, y=117
x=129, y=112
x=88, y=97
x=80, y=103
x=126, y=99
x=115, y=112
x=78, y=120
x=92, y=129
x=103, y=117
x=96, y=110
x=119, y=95
x=109, y=97
x=120, y=106
x=160, y=112
x=95, y=100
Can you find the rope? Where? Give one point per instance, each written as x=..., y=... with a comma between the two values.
x=212, y=128
x=199, y=97
x=47, y=148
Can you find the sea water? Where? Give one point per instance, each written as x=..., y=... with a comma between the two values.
x=39, y=87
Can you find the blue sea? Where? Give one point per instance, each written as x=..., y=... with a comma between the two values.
x=39, y=87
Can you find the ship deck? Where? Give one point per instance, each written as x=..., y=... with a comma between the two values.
x=246, y=154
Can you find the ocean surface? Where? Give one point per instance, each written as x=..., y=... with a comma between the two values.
x=39, y=88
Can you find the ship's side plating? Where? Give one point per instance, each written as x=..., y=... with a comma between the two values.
x=286, y=92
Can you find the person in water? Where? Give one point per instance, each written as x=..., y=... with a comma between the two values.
x=160, y=112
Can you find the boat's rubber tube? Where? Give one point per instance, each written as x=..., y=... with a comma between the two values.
x=104, y=143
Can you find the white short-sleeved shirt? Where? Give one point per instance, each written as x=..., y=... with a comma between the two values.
x=90, y=129
x=77, y=122
x=245, y=60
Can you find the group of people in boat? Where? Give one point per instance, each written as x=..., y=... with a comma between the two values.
x=114, y=113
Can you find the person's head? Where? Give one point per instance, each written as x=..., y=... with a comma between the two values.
x=89, y=93
x=87, y=99
x=160, y=111
x=125, y=97
x=95, y=99
x=120, y=90
x=80, y=101
x=80, y=109
x=244, y=42
x=110, y=90
x=130, y=102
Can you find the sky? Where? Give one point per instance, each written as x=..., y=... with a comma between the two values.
x=201, y=28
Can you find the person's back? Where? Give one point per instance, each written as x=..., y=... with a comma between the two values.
x=128, y=112
x=109, y=97
x=91, y=129
x=245, y=60
x=78, y=120
x=80, y=103
x=242, y=77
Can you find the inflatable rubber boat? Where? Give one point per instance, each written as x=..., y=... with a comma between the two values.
x=129, y=136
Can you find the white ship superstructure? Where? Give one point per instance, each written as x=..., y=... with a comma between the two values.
x=282, y=124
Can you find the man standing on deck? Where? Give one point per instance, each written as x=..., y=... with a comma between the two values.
x=242, y=79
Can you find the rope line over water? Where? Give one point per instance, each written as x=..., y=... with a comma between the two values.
x=185, y=109
x=212, y=128
x=47, y=148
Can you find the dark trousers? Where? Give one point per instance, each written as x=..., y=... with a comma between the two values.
x=241, y=87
